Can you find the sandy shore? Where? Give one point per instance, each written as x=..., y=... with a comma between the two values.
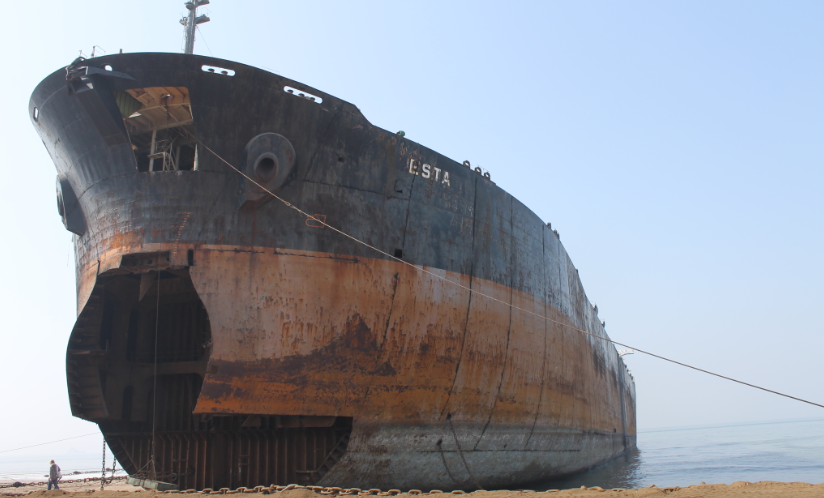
x=739, y=489
x=117, y=486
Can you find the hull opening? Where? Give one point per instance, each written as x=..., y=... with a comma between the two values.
x=160, y=126
x=122, y=331
x=122, y=337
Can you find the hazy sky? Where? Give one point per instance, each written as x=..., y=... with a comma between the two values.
x=676, y=147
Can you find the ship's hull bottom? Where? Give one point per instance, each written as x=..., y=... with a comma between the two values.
x=427, y=457
x=254, y=451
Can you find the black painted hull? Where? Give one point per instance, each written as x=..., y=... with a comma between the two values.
x=288, y=352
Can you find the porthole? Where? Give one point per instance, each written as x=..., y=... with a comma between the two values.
x=218, y=70
x=107, y=67
x=303, y=95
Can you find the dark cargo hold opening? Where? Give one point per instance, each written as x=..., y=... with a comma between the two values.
x=111, y=364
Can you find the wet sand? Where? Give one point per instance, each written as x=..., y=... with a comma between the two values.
x=762, y=489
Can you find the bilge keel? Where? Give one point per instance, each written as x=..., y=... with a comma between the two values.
x=243, y=344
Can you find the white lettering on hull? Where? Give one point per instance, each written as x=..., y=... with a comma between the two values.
x=426, y=171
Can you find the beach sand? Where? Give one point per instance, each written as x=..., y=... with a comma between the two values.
x=762, y=489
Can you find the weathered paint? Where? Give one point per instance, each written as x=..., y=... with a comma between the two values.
x=305, y=323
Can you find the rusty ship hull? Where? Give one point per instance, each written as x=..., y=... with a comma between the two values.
x=244, y=344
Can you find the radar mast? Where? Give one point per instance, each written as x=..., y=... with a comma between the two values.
x=191, y=21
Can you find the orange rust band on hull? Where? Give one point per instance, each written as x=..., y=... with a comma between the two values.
x=314, y=334
x=309, y=333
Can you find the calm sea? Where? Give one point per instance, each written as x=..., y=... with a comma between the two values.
x=779, y=451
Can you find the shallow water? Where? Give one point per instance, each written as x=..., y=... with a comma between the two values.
x=778, y=451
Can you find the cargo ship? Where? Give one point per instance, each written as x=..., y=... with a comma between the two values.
x=438, y=337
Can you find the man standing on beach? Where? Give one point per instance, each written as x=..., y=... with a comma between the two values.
x=54, y=475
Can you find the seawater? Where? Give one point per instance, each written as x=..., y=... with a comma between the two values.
x=776, y=451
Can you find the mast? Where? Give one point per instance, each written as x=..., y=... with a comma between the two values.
x=191, y=21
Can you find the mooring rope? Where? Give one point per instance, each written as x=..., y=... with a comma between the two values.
x=479, y=293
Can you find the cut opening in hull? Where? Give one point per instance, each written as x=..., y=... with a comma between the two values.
x=136, y=361
x=134, y=327
x=160, y=127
